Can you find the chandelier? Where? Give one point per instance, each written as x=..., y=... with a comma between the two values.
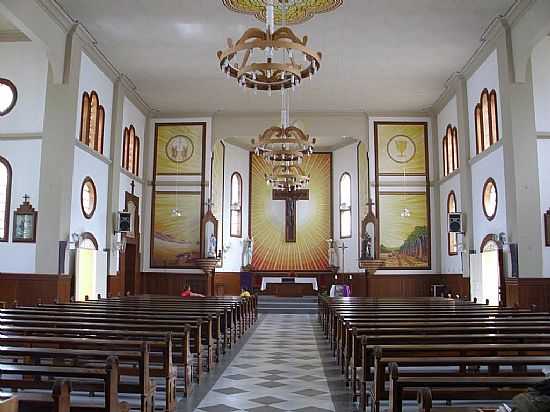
x=258, y=59
x=284, y=148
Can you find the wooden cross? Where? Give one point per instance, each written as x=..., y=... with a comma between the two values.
x=133, y=186
x=290, y=199
x=26, y=198
x=343, y=247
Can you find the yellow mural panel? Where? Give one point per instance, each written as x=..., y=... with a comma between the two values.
x=401, y=148
x=404, y=240
x=179, y=148
x=175, y=241
x=313, y=220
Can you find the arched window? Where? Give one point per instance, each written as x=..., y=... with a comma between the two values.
x=452, y=241
x=130, y=150
x=5, y=198
x=450, y=150
x=486, y=120
x=345, y=206
x=8, y=96
x=92, y=122
x=236, y=207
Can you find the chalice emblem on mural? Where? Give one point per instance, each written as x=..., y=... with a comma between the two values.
x=401, y=148
x=179, y=149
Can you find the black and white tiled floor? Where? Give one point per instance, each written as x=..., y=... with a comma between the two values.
x=285, y=365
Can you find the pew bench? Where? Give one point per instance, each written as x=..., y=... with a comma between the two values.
x=108, y=376
x=456, y=387
x=446, y=367
x=424, y=399
x=58, y=401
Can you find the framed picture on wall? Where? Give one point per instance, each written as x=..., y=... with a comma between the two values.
x=24, y=223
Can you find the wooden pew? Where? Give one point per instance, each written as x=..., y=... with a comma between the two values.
x=457, y=387
x=58, y=401
x=145, y=388
x=424, y=399
x=108, y=375
x=460, y=368
x=161, y=354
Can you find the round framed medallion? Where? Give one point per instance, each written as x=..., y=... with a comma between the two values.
x=401, y=148
x=179, y=149
x=88, y=197
x=8, y=96
x=490, y=199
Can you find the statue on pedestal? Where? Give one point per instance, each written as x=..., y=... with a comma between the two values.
x=332, y=255
x=248, y=246
x=366, y=246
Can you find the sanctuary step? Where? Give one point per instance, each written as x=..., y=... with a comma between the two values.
x=275, y=304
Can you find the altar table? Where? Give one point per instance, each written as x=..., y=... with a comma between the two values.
x=311, y=281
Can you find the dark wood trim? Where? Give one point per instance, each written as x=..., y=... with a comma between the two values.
x=5, y=237
x=10, y=84
x=340, y=203
x=152, y=231
x=427, y=188
x=546, y=218
x=85, y=120
x=204, y=126
x=478, y=127
x=487, y=182
x=125, y=138
x=100, y=129
x=493, y=95
x=240, y=234
x=449, y=234
x=88, y=179
x=89, y=236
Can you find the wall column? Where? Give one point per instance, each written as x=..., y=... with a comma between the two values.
x=466, y=202
x=57, y=160
x=520, y=162
x=114, y=171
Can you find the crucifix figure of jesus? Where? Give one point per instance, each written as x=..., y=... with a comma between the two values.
x=290, y=199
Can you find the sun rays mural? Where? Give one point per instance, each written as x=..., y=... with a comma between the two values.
x=176, y=240
x=313, y=219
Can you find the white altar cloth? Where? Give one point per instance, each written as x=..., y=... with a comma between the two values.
x=266, y=280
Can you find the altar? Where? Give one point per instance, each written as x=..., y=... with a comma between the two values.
x=289, y=286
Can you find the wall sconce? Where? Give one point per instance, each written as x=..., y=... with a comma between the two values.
x=73, y=241
x=119, y=243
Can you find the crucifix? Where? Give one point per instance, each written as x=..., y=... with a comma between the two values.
x=133, y=186
x=290, y=199
x=343, y=247
x=26, y=198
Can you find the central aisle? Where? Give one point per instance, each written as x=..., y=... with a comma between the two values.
x=280, y=368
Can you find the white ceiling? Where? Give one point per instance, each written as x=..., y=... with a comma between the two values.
x=378, y=55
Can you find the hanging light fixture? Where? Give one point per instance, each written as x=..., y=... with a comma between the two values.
x=270, y=59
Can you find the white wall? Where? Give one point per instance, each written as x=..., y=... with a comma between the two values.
x=86, y=164
x=236, y=160
x=92, y=78
x=447, y=116
x=26, y=65
x=490, y=165
x=344, y=160
x=485, y=77
x=24, y=158
x=540, y=60
x=449, y=264
x=544, y=173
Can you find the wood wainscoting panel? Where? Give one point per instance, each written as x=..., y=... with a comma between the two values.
x=31, y=288
x=159, y=283
x=228, y=282
x=457, y=284
x=115, y=285
x=532, y=291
